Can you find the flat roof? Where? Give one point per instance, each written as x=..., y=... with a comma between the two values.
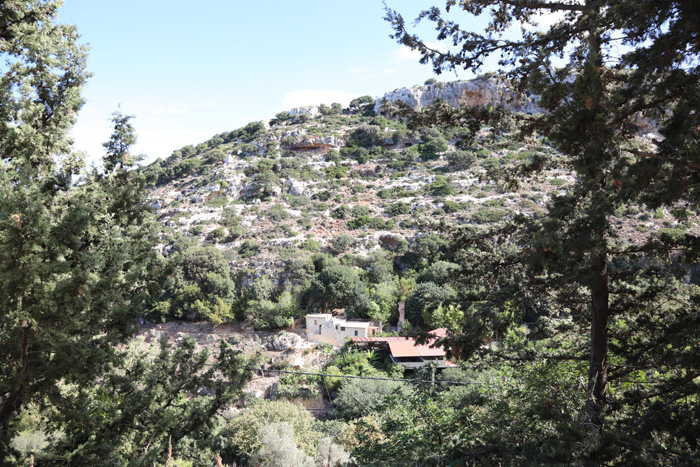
x=353, y=324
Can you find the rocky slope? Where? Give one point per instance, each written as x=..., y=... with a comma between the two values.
x=276, y=191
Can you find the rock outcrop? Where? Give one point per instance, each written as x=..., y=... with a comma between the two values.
x=310, y=110
x=284, y=341
x=479, y=92
x=317, y=144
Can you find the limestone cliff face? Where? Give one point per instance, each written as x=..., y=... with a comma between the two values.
x=300, y=140
x=480, y=92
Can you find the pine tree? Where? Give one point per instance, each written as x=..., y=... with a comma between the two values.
x=636, y=299
x=75, y=247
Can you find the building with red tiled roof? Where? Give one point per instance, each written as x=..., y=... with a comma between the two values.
x=406, y=352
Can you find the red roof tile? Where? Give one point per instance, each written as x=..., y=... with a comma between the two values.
x=427, y=351
x=404, y=349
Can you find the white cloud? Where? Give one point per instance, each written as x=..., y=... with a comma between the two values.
x=308, y=97
x=404, y=53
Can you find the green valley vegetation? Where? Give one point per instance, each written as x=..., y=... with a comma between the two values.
x=546, y=226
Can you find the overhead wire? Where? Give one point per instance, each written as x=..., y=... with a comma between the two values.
x=326, y=375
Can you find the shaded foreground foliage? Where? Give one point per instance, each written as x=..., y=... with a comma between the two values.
x=568, y=271
x=76, y=268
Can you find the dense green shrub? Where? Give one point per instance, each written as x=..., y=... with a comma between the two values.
x=490, y=163
x=249, y=248
x=241, y=436
x=359, y=397
x=305, y=223
x=217, y=234
x=342, y=242
x=310, y=245
x=366, y=136
x=451, y=207
x=672, y=235
x=489, y=215
x=215, y=156
x=439, y=272
x=432, y=149
x=461, y=160
x=441, y=187
x=339, y=286
x=267, y=314
x=425, y=299
x=398, y=209
x=374, y=223
x=229, y=218
x=277, y=213
x=337, y=171
x=341, y=212
x=297, y=201
x=324, y=195
x=360, y=210
x=196, y=286
x=234, y=233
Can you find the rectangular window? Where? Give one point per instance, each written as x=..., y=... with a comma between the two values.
x=355, y=333
x=315, y=322
x=342, y=328
x=336, y=327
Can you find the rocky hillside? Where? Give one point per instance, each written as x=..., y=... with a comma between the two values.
x=351, y=181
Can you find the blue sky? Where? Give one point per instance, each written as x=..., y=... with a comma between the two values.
x=188, y=70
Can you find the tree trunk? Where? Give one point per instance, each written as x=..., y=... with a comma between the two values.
x=14, y=399
x=599, y=282
x=598, y=366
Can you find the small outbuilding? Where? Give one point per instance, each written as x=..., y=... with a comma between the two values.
x=324, y=327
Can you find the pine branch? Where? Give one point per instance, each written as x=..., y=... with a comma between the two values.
x=542, y=5
x=651, y=155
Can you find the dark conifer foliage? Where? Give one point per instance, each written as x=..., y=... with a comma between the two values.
x=77, y=265
x=629, y=67
x=76, y=247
